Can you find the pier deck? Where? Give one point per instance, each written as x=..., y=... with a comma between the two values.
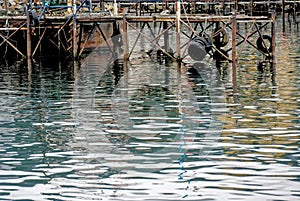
x=70, y=30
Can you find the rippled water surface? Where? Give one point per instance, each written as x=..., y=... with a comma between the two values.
x=150, y=131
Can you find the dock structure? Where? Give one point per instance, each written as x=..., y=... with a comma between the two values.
x=41, y=28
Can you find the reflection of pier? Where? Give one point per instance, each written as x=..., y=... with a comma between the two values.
x=145, y=103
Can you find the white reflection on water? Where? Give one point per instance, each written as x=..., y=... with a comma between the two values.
x=142, y=113
x=53, y=148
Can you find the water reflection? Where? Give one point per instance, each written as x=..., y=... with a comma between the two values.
x=99, y=131
x=142, y=115
x=30, y=138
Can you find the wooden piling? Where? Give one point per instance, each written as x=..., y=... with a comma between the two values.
x=28, y=31
x=73, y=37
x=283, y=15
x=28, y=44
x=273, y=33
x=177, y=24
x=75, y=43
x=78, y=53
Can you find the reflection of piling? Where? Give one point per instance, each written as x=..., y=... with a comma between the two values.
x=29, y=72
x=233, y=51
x=28, y=45
x=76, y=67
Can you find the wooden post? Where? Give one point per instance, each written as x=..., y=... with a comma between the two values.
x=28, y=35
x=177, y=22
x=79, y=41
x=283, y=15
x=273, y=43
x=233, y=51
x=125, y=40
x=75, y=45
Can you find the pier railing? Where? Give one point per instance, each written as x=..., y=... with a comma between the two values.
x=146, y=7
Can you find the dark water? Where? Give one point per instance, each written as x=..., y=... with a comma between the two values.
x=150, y=131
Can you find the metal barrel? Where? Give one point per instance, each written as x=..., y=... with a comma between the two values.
x=199, y=47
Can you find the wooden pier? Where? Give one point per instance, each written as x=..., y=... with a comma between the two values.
x=72, y=29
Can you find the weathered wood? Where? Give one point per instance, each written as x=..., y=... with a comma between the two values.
x=177, y=24
x=15, y=31
x=75, y=42
x=58, y=23
x=283, y=15
x=39, y=42
x=28, y=38
x=273, y=33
